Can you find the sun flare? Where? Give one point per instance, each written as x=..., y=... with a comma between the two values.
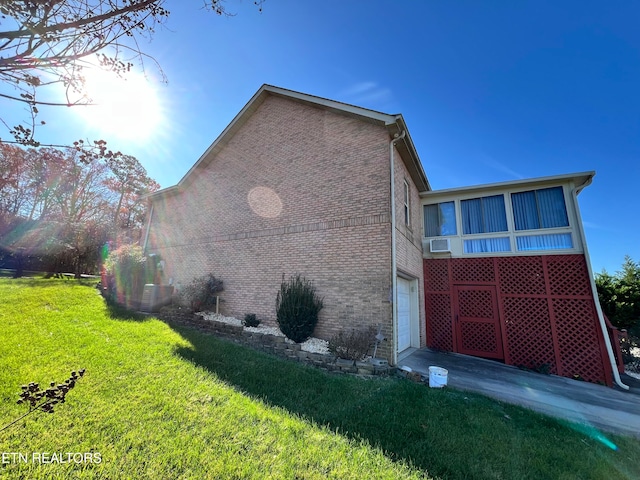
x=127, y=108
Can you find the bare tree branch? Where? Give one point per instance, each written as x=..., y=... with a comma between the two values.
x=45, y=42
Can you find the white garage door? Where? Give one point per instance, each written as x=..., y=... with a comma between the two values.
x=404, y=314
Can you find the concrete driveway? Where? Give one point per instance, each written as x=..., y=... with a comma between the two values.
x=592, y=406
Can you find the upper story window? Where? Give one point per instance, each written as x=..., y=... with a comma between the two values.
x=484, y=215
x=543, y=208
x=535, y=220
x=407, y=205
x=440, y=219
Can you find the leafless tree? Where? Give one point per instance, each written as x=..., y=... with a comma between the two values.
x=44, y=43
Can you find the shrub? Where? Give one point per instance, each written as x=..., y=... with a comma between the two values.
x=250, y=320
x=297, y=307
x=126, y=274
x=354, y=344
x=201, y=292
x=619, y=295
x=628, y=347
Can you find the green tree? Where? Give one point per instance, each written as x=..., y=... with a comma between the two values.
x=619, y=295
x=59, y=207
x=129, y=182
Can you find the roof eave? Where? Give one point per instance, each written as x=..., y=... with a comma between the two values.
x=580, y=181
x=252, y=105
x=407, y=150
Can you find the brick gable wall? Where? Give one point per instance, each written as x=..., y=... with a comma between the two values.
x=297, y=189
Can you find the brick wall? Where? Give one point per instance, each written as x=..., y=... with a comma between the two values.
x=297, y=189
x=409, y=238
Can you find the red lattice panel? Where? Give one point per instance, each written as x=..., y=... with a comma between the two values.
x=475, y=303
x=528, y=331
x=436, y=275
x=578, y=339
x=568, y=275
x=478, y=337
x=470, y=270
x=521, y=275
x=438, y=310
x=526, y=286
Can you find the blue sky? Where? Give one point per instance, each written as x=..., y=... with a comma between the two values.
x=491, y=91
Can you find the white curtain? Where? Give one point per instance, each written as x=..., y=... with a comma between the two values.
x=544, y=208
x=484, y=245
x=554, y=241
x=484, y=215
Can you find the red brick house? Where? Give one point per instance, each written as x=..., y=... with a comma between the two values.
x=298, y=184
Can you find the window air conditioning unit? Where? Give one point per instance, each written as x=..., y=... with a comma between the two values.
x=439, y=245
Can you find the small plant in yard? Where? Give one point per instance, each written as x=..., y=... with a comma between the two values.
x=353, y=344
x=250, y=320
x=201, y=292
x=297, y=307
x=630, y=347
x=126, y=269
x=45, y=400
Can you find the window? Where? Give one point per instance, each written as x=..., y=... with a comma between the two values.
x=407, y=210
x=555, y=241
x=544, y=208
x=486, y=245
x=483, y=215
x=440, y=219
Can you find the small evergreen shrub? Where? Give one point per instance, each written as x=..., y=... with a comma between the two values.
x=297, y=308
x=250, y=320
x=201, y=292
x=353, y=344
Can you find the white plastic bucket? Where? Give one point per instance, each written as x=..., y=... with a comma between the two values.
x=438, y=377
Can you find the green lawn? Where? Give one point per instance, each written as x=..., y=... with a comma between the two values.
x=165, y=403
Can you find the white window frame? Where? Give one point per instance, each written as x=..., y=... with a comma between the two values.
x=407, y=204
x=458, y=239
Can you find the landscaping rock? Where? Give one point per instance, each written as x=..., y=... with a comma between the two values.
x=270, y=343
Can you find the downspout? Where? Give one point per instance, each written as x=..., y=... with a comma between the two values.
x=146, y=235
x=394, y=266
x=594, y=292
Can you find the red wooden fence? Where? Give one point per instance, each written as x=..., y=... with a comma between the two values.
x=547, y=314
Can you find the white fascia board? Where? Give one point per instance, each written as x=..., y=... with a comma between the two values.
x=161, y=193
x=396, y=128
x=580, y=180
x=340, y=107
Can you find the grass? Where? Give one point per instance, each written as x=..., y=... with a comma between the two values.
x=158, y=402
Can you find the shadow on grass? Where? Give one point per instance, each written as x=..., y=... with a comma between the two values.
x=444, y=432
x=119, y=312
x=355, y=408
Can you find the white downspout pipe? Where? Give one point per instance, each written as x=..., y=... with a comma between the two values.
x=146, y=235
x=394, y=266
x=594, y=292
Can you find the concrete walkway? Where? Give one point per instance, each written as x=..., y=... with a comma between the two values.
x=605, y=408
